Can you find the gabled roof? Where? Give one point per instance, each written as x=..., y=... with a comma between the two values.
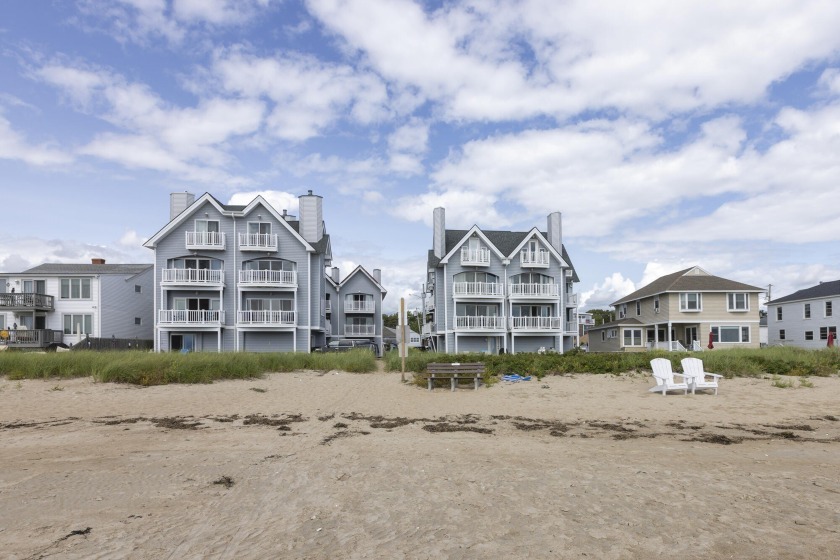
x=506, y=242
x=631, y=321
x=69, y=268
x=233, y=210
x=361, y=269
x=469, y=233
x=693, y=279
x=543, y=240
x=821, y=290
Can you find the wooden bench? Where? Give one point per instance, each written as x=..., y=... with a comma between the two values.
x=473, y=371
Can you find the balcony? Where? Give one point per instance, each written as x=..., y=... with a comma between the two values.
x=571, y=300
x=536, y=323
x=571, y=327
x=477, y=289
x=475, y=257
x=266, y=319
x=34, y=338
x=359, y=307
x=205, y=241
x=534, y=259
x=268, y=279
x=479, y=323
x=257, y=241
x=534, y=291
x=359, y=330
x=190, y=318
x=197, y=277
x=27, y=302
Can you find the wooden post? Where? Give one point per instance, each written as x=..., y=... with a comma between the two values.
x=401, y=326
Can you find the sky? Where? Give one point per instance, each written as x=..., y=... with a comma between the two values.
x=668, y=134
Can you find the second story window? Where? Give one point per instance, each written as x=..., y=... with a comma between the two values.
x=75, y=288
x=691, y=301
x=807, y=311
x=259, y=228
x=828, y=310
x=779, y=313
x=638, y=307
x=656, y=304
x=207, y=226
x=737, y=302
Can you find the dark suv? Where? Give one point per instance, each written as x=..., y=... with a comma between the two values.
x=350, y=344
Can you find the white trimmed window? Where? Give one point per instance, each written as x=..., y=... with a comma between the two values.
x=828, y=309
x=632, y=337
x=806, y=312
x=656, y=304
x=809, y=335
x=612, y=333
x=825, y=330
x=738, y=302
x=622, y=311
x=638, y=307
x=731, y=333
x=691, y=301
x=781, y=334
x=779, y=313
x=75, y=288
x=74, y=324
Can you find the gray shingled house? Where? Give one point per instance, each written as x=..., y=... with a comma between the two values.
x=806, y=317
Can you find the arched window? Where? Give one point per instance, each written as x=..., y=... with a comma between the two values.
x=471, y=276
x=531, y=278
x=269, y=264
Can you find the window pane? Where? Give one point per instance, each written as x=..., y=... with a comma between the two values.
x=88, y=322
x=729, y=334
x=745, y=334
x=65, y=288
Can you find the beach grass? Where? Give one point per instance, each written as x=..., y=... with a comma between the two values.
x=148, y=368
x=730, y=363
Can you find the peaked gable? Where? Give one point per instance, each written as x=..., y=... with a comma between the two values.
x=361, y=270
x=473, y=230
x=693, y=279
x=538, y=234
x=260, y=201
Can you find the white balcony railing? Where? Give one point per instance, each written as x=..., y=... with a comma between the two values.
x=266, y=318
x=359, y=307
x=257, y=241
x=202, y=276
x=534, y=290
x=268, y=278
x=205, y=240
x=571, y=300
x=193, y=318
x=479, y=322
x=359, y=330
x=469, y=289
x=571, y=326
x=534, y=258
x=475, y=257
x=536, y=323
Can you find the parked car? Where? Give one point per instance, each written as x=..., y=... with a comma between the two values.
x=350, y=344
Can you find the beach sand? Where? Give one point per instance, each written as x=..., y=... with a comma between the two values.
x=339, y=465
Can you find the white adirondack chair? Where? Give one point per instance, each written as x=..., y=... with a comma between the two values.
x=664, y=376
x=696, y=377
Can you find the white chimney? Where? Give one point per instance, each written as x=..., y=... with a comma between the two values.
x=439, y=232
x=335, y=275
x=555, y=232
x=311, y=217
x=178, y=202
x=377, y=275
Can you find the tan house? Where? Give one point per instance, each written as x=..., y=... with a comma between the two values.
x=678, y=312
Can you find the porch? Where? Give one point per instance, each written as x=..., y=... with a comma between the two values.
x=34, y=338
x=27, y=302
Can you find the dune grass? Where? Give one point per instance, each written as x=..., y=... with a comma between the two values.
x=147, y=368
x=730, y=363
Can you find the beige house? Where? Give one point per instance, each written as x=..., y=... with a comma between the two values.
x=678, y=312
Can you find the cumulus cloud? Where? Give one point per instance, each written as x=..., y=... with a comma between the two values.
x=14, y=146
x=280, y=200
x=23, y=252
x=600, y=296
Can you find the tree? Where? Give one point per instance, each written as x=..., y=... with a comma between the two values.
x=602, y=316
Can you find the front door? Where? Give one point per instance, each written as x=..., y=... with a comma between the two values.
x=690, y=336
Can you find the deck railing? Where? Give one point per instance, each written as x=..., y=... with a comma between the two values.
x=189, y=317
x=536, y=323
x=275, y=278
x=534, y=290
x=475, y=256
x=479, y=322
x=468, y=289
x=359, y=307
x=276, y=318
x=27, y=300
x=198, y=240
x=30, y=338
x=359, y=330
x=534, y=258
x=257, y=241
x=192, y=276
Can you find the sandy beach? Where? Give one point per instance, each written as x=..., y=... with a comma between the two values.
x=339, y=465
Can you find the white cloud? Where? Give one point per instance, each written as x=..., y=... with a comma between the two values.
x=13, y=146
x=19, y=253
x=830, y=81
x=475, y=59
x=308, y=95
x=280, y=200
x=600, y=296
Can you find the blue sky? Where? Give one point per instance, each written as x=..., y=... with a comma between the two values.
x=669, y=134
